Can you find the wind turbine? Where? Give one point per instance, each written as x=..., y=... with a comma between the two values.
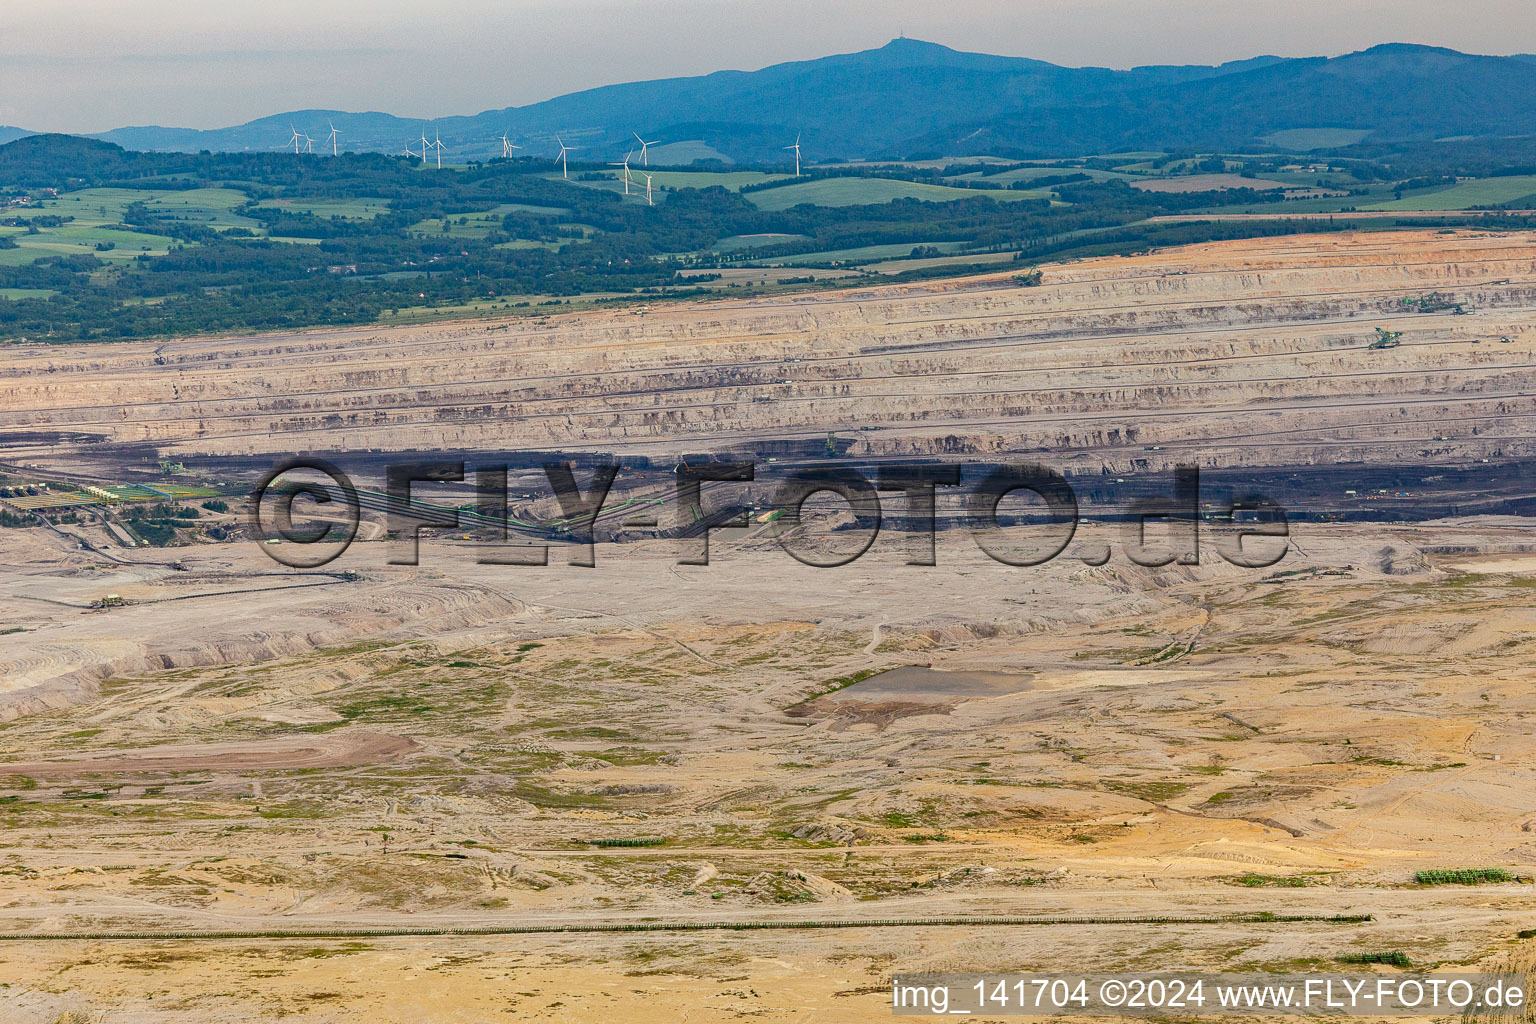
x=408, y=150
x=294, y=142
x=796, y=148
x=564, y=149
x=649, y=201
x=507, y=147
x=625, y=165
x=427, y=146
x=332, y=140
x=643, y=145
x=309, y=144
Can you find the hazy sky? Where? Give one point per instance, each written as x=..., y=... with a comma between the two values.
x=90, y=65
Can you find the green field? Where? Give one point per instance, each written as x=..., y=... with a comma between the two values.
x=935, y=164
x=464, y=225
x=1310, y=179
x=1376, y=192
x=358, y=208
x=94, y=207
x=97, y=217
x=478, y=225
x=759, y=275
x=1316, y=138
x=504, y=305
x=73, y=239
x=685, y=152
x=18, y=257
x=688, y=179
x=735, y=243
x=928, y=263
x=26, y=293
x=862, y=191
x=1031, y=173
x=528, y=243
x=863, y=252
x=547, y=211
x=1467, y=194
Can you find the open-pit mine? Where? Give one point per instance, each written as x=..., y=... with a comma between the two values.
x=459, y=790
x=1255, y=352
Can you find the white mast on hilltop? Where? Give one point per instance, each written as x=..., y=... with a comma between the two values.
x=294, y=142
x=625, y=164
x=507, y=147
x=796, y=148
x=437, y=144
x=643, y=147
x=309, y=144
x=332, y=140
x=649, y=201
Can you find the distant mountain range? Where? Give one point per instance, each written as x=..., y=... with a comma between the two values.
x=914, y=99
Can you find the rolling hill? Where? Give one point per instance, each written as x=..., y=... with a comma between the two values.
x=914, y=98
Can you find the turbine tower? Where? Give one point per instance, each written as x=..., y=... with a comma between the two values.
x=425, y=145
x=564, y=149
x=332, y=140
x=796, y=148
x=437, y=144
x=625, y=164
x=309, y=144
x=294, y=142
x=643, y=146
x=507, y=147
x=649, y=201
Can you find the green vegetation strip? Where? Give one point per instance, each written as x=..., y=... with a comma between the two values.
x=651, y=841
x=1462, y=876
x=688, y=926
x=1396, y=958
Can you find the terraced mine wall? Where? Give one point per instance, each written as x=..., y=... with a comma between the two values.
x=1254, y=353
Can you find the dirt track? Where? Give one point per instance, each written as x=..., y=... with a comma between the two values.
x=334, y=750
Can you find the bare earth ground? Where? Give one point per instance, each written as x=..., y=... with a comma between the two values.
x=1305, y=747
x=244, y=748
